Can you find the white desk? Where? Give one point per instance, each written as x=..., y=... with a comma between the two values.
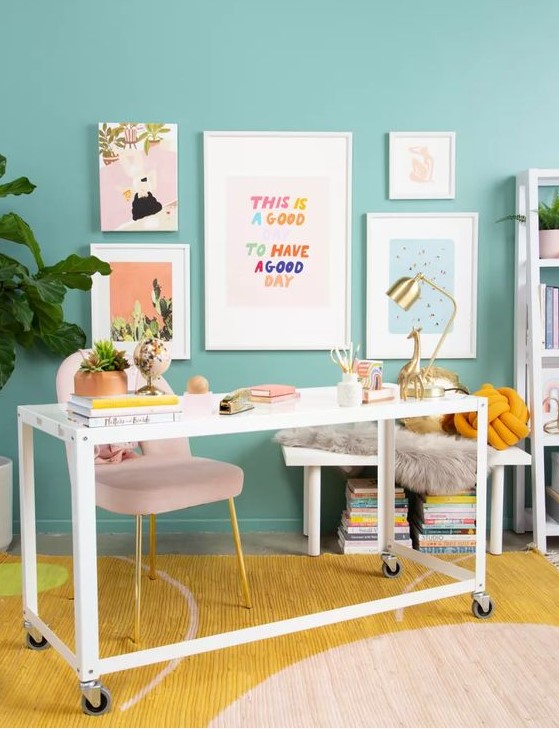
x=316, y=406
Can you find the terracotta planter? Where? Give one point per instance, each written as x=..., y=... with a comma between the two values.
x=94, y=384
x=549, y=243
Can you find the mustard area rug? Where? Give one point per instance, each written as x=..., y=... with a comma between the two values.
x=431, y=665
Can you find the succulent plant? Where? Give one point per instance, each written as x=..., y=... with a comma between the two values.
x=104, y=357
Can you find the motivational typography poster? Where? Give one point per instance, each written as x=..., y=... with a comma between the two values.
x=277, y=241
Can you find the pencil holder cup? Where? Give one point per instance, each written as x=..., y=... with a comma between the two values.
x=350, y=392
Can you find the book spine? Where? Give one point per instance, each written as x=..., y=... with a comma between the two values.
x=549, y=317
x=112, y=412
x=542, y=313
x=103, y=422
x=450, y=500
x=448, y=550
x=446, y=537
x=555, y=317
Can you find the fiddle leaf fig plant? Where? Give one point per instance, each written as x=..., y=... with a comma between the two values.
x=31, y=310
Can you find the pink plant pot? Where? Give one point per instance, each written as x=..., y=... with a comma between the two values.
x=549, y=243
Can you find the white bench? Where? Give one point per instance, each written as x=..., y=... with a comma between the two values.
x=312, y=460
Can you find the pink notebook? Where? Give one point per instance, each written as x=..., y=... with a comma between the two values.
x=271, y=390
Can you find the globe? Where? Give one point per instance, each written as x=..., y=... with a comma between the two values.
x=152, y=358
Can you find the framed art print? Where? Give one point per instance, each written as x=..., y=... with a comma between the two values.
x=138, y=176
x=422, y=165
x=147, y=292
x=443, y=247
x=277, y=240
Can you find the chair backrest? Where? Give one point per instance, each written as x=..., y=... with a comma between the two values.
x=65, y=387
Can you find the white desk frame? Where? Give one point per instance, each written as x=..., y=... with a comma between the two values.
x=316, y=406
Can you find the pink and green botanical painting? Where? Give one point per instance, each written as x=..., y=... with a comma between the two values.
x=141, y=301
x=138, y=176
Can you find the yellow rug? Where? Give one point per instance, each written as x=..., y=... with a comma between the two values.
x=432, y=665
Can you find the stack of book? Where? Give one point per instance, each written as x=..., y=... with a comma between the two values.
x=130, y=409
x=444, y=524
x=358, y=530
x=272, y=393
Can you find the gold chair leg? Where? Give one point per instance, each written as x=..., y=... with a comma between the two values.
x=239, y=549
x=152, y=547
x=138, y=580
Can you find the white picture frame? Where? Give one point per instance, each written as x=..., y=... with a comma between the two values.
x=135, y=268
x=250, y=180
x=443, y=246
x=422, y=165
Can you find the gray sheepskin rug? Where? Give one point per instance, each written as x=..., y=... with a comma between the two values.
x=425, y=463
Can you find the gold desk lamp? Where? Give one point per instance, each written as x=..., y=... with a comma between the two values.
x=405, y=292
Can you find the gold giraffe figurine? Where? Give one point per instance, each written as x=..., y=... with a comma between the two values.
x=410, y=374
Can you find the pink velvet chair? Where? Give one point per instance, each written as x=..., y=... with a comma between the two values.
x=165, y=477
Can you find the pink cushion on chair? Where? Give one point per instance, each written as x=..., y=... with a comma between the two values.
x=152, y=485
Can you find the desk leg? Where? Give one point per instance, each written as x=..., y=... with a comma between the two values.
x=82, y=478
x=481, y=495
x=28, y=525
x=385, y=477
x=312, y=487
x=306, y=500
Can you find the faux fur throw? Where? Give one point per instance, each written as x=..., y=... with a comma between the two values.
x=425, y=463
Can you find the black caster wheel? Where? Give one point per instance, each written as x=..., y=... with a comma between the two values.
x=35, y=645
x=387, y=571
x=104, y=706
x=479, y=612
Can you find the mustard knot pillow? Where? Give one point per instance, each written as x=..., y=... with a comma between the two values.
x=507, y=417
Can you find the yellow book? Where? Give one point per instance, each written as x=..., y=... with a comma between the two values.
x=451, y=499
x=124, y=401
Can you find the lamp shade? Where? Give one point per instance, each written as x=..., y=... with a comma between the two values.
x=405, y=292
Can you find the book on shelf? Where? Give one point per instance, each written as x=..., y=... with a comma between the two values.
x=275, y=398
x=448, y=550
x=447, y=537
x=549, y=317
x=104, y=421
x=271, y=390
x=130, y=400
x=362, y=486
x=426, y=530
x=451, y=499
x=358, y=548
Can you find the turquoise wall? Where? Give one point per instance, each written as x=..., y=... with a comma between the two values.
x=485, y=69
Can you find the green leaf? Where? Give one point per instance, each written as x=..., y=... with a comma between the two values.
x=66, y=339
x=22, y=312
x=2, y=165
x=47, y=290
x=15, y=229
x=7, y=357
x=79, y=264
x=48, y=317
x=21, y=186
x=9, y=268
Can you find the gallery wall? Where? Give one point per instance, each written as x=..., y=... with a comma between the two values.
x=485, y=69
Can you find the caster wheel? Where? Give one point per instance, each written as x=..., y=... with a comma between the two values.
x=104, y=706
x=35, y=645
x=388, y=572
x=479, y=612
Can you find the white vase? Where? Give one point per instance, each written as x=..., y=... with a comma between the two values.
x=350, y=391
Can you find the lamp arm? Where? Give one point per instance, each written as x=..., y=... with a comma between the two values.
x=447, y=327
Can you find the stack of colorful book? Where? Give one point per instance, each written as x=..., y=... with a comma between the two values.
x=272, y=393
x=444, y=524
x=358, y=530
x=130, y=409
